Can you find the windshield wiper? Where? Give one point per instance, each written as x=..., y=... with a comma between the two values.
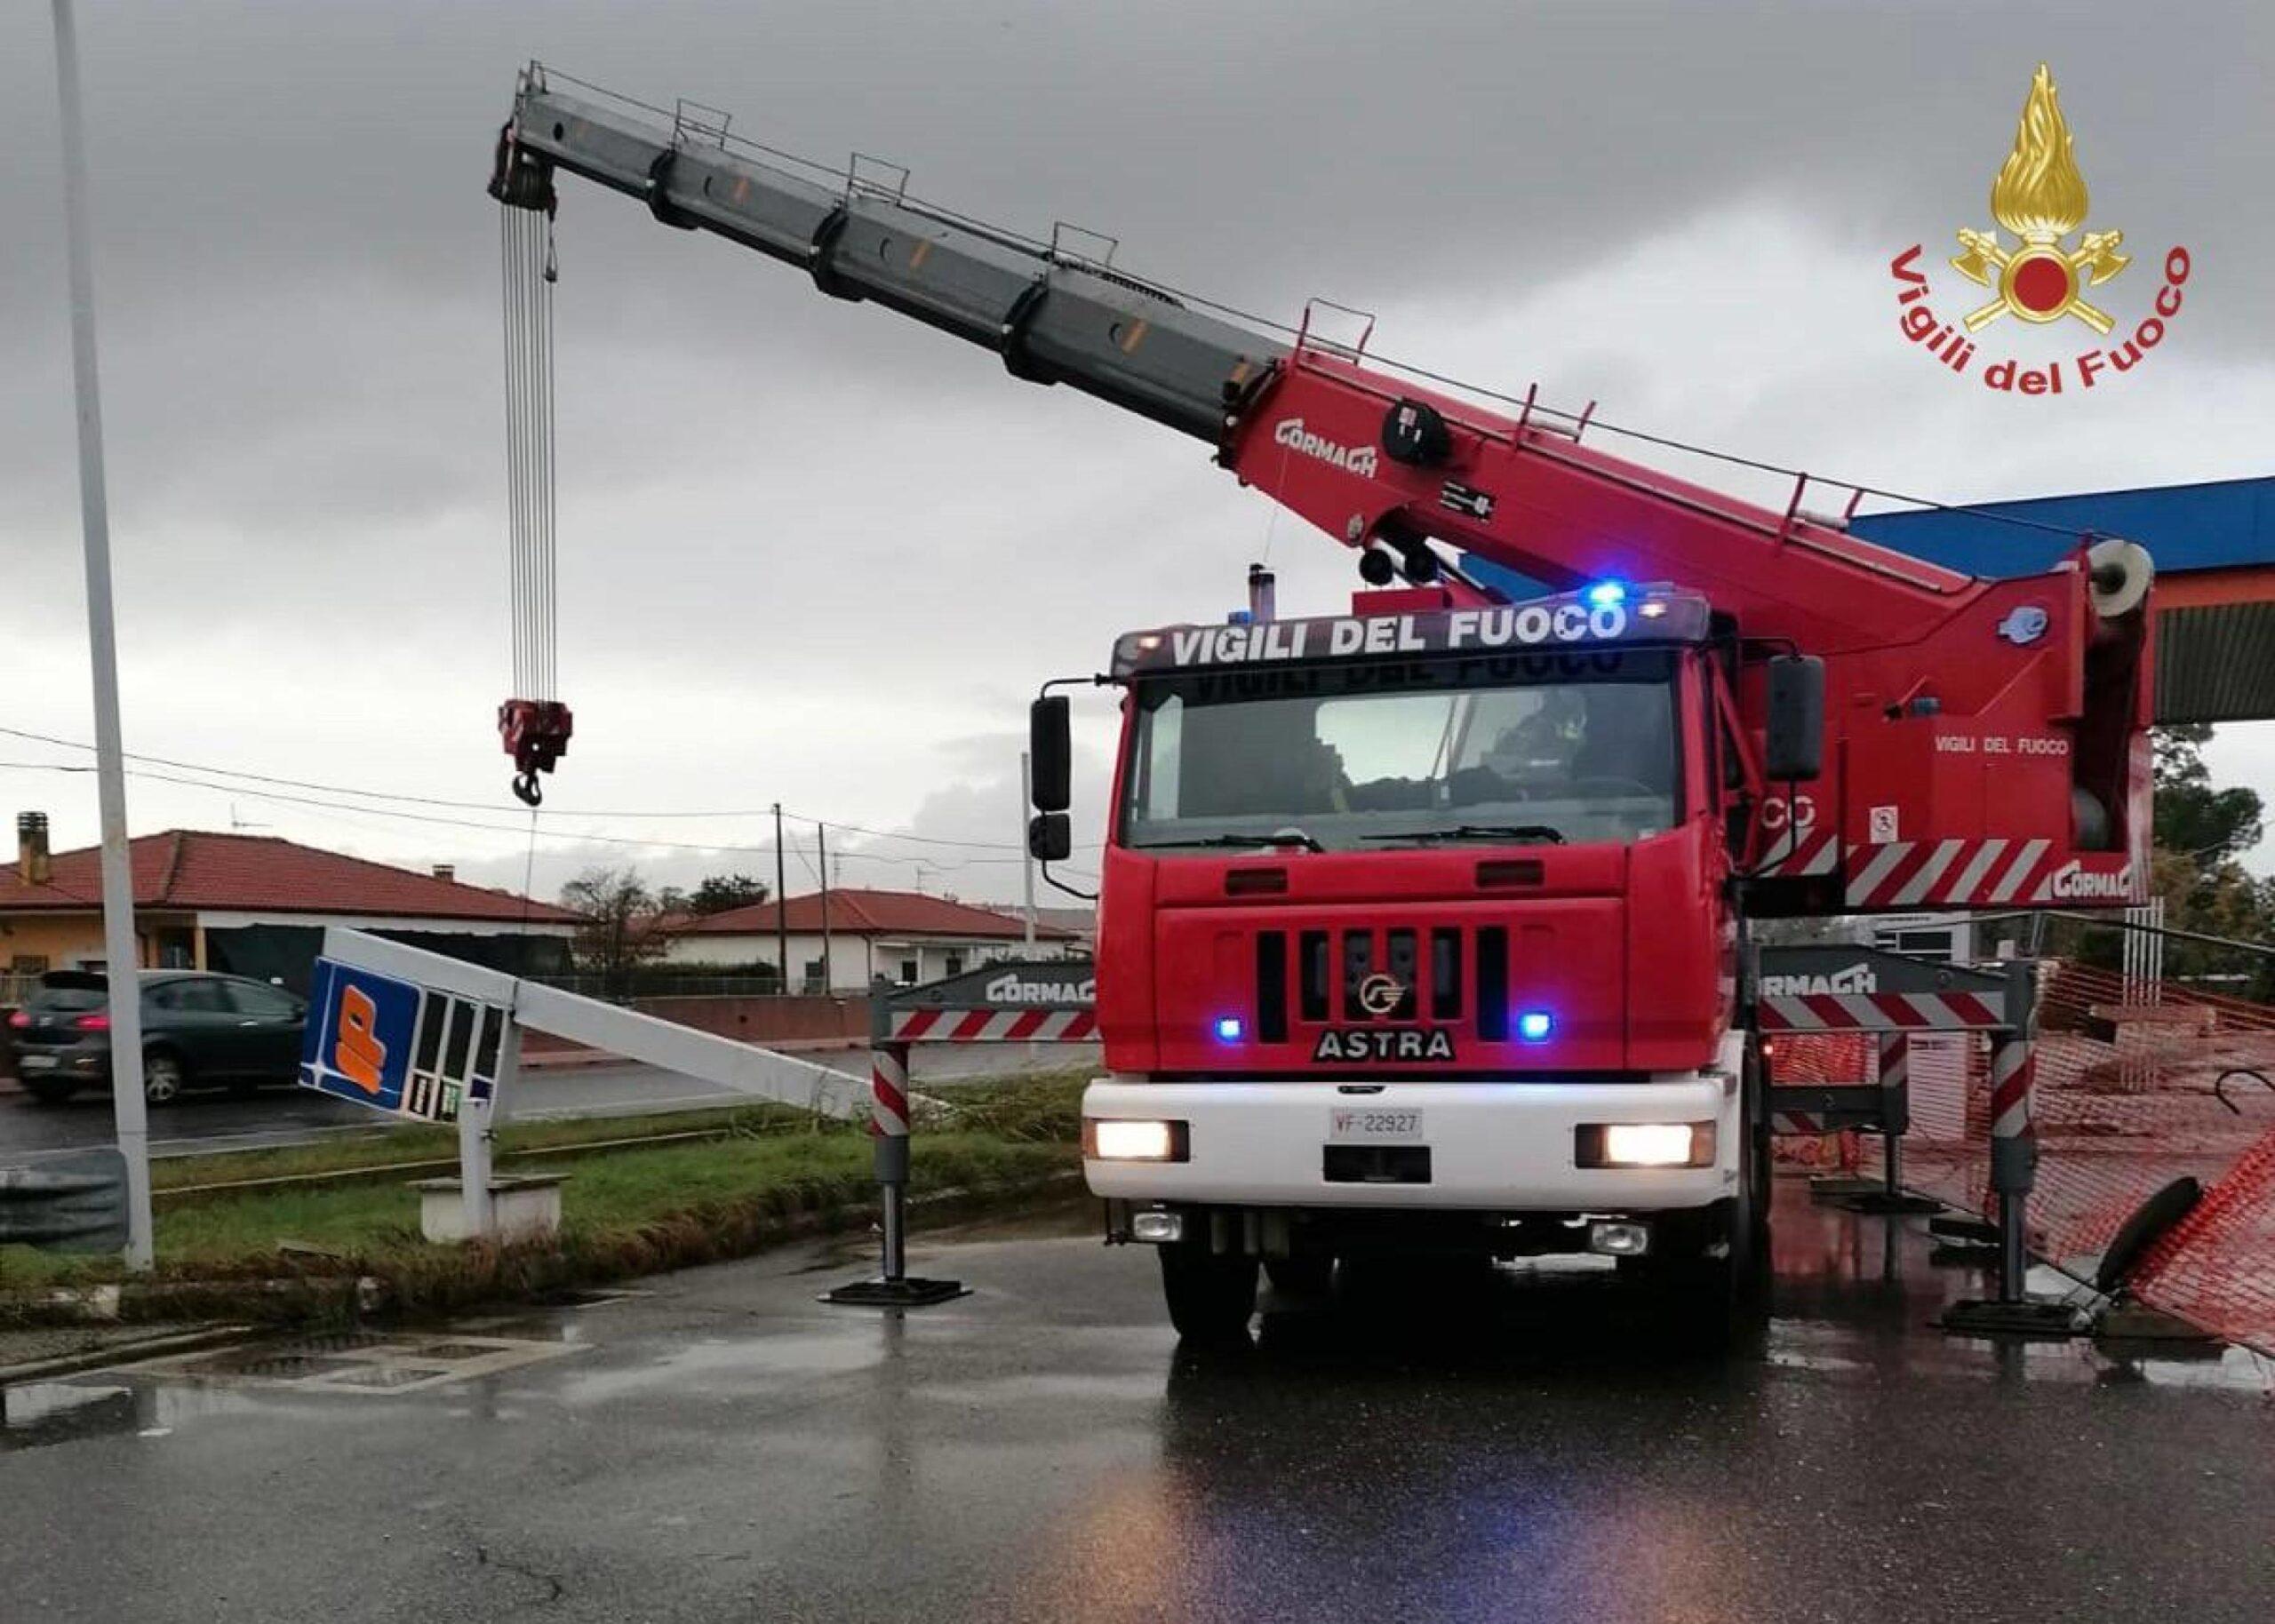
x=1479, y=831
x=1286, y=837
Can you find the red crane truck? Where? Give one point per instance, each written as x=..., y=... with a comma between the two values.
x=1421, y=927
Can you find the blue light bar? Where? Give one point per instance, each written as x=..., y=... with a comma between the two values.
x=1229, y=1029
x=1606, y=594
x=1534, y=1025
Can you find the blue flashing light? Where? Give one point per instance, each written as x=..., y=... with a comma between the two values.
x=1239, y=618
x=1229, y=1029
x=1606, y=594
x=1534, y=1025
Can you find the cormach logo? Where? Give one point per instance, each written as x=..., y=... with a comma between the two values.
x=1014, y=990
x=1359, y=459
x=2039, y=278
x=2074, y=882
x=1856, y=978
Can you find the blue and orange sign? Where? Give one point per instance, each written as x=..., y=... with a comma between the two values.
x=361, y=1030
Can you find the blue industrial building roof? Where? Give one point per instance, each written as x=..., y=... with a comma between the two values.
x=2223, y=524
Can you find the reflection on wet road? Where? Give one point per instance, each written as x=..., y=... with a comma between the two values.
x=1498, y=1446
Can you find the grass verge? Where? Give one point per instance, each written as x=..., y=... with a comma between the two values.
x=756, y=1176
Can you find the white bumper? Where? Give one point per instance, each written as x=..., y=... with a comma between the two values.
x=1506, y=1146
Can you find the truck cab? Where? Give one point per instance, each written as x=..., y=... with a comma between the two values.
x=1418, y=933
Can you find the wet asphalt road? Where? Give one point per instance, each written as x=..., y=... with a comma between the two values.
x=726, y=1447
x=286, y=1115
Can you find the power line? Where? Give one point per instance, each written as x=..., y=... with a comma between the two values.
x=438, y=820
x=478, y=806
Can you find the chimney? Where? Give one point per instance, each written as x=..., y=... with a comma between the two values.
x=447, y=871
x=31, y=848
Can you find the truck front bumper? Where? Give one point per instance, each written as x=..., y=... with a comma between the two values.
x=1491, y=1146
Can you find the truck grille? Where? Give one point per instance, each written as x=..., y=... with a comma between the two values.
x=1448, y=971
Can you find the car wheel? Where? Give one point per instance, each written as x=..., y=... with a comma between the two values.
x=47, y=1091
x=163, y=1079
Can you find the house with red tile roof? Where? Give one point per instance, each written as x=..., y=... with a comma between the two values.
x=865, y=937
x=255, y=905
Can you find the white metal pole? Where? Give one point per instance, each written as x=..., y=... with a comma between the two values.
x=120, y=960
x=477, y=1130
x=1026, y=861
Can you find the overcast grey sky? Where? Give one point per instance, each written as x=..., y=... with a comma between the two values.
x=811, y=552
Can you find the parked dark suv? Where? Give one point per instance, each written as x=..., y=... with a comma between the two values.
x=197, y=1030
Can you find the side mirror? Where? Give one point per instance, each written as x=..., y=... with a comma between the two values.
x=1050, y=837
x=1050, y=750
x=1794, y=750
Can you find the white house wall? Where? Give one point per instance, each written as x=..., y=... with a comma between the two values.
x=856, y=961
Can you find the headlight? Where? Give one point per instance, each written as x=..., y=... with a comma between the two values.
x=1644, y=1144
x=1125, y=1139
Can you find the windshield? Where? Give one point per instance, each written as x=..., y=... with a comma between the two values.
x=1523, y=749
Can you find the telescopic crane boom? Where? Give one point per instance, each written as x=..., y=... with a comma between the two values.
x=1932, y=676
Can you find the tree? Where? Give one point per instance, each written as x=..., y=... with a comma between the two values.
x=2207, y=825
x=720, y=892
x=2198, y=829
x=623, y=924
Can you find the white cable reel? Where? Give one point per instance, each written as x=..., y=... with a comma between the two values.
x=2117, y=574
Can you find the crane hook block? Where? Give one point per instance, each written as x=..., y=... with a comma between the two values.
x=535, y=732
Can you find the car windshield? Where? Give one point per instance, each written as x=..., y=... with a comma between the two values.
x=1525, y=749
x=64, y=999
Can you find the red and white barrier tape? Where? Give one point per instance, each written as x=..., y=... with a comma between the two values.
x=992, y=1026
x=1819, y=1012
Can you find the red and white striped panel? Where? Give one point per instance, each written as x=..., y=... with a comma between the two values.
x=1797, y=1122
x=993, y=1026
x=889, y=1094
x=1895, y=1060
x=1941, y=874
x=1834, y=1012
x=2013, y=1068
x=1791, y=856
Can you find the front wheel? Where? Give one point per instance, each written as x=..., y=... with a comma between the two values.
x=1209, y=1298
x=1311, y=1274
x=163, y=1079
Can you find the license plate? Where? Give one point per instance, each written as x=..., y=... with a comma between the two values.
x=35, y=1062
x=1373, y=1125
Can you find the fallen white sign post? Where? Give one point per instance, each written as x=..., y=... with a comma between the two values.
x=426, y=1038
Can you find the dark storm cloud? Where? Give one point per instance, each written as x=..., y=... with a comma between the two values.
x=330, y=156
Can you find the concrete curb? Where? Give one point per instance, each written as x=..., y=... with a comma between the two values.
x=130, y=1351
x=373, y=1295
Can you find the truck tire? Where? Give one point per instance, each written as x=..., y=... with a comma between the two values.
x=1310, y=1275
x=1209, y=1297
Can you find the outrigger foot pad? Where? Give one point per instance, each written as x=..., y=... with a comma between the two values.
x=1882, y=1201
x=906, y=1292
x=2049, y=1320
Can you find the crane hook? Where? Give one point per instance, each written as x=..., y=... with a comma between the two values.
x=527, y=790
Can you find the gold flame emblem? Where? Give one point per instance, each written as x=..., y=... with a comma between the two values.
x=2040, y=198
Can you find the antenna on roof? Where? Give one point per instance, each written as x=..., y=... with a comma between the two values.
x=238, y=825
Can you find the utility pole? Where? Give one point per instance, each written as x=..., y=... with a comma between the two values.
x=1026, y=860
x=821, y=854
x=120, y=961
x=781, y=907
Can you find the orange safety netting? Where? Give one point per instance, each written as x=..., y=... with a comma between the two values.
x=2124, y=1104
